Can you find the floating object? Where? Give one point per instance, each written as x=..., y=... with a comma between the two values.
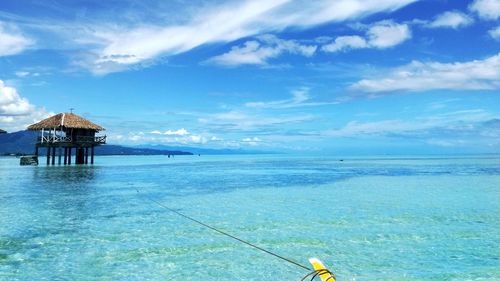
x=321, y=271
x=29, y=160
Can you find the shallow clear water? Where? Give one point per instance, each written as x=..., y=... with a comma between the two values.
x=368, y=219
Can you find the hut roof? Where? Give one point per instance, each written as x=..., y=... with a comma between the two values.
x=67, y=120
x=2, y=131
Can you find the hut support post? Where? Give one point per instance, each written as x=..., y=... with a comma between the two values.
x=69, y=155
x=65, y=156
x=48, y=155
x=53, y=155
x=79, y=156
x=86, y=155
x=59, y=156
x=92, y=155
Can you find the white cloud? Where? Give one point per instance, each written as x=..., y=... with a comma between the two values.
x=252, y=141
x=232, y=121
x=195, y=139
x=124, y=46
x=448, y=129
x=386, y=34
x=381, y=35
x=22, y=73
x=300, y=98
x=342, y=43
x=422, y=76
x=250, y=53
x=486, y=9
x=446, y=142
x=259, y=52
x=355, y=128
x=11, y=103
x=25, y=73
x=12, y=41
x=16, y=112
x=179, y=132
x=451, y=19
x=180, y=136
x=214, y=138
x=495, y=33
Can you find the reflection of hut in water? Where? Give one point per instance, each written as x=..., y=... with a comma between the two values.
x=66, y=131
x=2, y=131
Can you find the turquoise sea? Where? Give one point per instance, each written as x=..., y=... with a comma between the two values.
x=403, y=218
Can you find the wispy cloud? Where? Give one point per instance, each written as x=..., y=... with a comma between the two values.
x=486, y=9
x=422, y=76
x=177, y=137
x=495, y=33
x=253, y=141
x=195, y=140
x=386, y=34
x=25, y=73
x=451, y=19
x=22, y=73
x=179, y=132
x=182, y=136
x=239, y=121
x=448, y=129
x=343, y=43
x=12, y=41
x=300, y=98
x=437, y=105
x=381, y=35
x=259, y=51
x=120, y=47
x=16, y=112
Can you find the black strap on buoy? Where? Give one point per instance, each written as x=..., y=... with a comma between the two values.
x=315, y=273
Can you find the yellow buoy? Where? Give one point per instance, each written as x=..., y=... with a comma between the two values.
x=322, y=271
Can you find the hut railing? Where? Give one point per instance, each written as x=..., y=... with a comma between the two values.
x=78, y=139
x=100, y=139
x=52, y=139
x=91, y=139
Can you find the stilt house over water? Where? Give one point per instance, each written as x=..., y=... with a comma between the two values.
x=64, y=132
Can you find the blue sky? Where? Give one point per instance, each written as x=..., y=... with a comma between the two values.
x=346, y=76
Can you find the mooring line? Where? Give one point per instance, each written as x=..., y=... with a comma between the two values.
x=225, y=233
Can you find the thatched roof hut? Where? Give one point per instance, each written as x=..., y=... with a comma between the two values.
x=2, y=131
x=65, y=120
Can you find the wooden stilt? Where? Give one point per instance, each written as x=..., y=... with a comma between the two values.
x=48, y=155
x=79, y=156
x=59, y=156
x=53, y=155
x=69, y=155
x=86, y=155
x=92, y=155
x=65, y=156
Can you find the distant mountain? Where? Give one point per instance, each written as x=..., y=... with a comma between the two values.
x=204, y=151
x=23, y=142
x=110, y=149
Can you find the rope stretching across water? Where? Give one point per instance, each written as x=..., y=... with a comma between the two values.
x=228, y=235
